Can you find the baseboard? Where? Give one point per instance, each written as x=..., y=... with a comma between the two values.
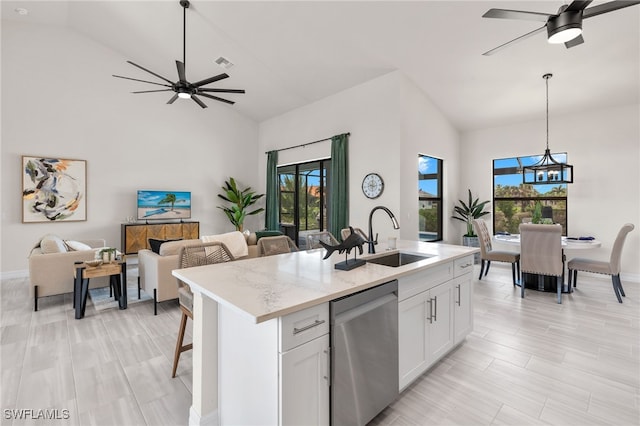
x=196, y=420
x=628, y=277
x=14, y=274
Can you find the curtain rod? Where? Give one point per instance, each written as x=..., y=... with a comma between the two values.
x=304, y=144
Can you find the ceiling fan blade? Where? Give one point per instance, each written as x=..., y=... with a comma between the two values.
x=210, y=80
x=142, y=81
x=181, y=74
x=607, y=7
x=198, y=101
x=574, y=42
x=173, y=99
x=517, y=14
x=222, y=90
x=150, y=91
x=515, y=40
x=577, y=5
x=151, y=72
x=216, y=98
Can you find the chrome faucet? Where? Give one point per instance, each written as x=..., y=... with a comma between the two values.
x=372, y=242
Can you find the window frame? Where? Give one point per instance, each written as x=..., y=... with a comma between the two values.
x=518, y=170
x=438, y=176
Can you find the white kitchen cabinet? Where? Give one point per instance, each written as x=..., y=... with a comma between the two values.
x=425, y=331
x=304, y=384
x=462, y=307
x=276, y=371
x=437, y=316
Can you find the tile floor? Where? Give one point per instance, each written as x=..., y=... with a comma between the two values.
x=528, y=361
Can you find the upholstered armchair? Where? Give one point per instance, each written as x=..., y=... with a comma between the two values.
x=541, y=253
x=612, y=267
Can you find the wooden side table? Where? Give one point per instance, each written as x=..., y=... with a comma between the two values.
x=117, y=273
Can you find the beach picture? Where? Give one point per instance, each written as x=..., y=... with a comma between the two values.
x=164, y=205
x=53, y=190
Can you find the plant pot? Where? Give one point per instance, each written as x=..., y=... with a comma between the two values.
x=472, y=242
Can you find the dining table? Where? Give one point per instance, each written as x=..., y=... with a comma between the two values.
x=568, y=243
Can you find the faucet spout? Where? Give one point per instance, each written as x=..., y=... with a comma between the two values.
x=372, y=242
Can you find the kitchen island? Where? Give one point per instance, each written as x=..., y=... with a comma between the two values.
x=257, y=320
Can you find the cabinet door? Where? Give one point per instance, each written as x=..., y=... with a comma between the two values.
x=190, y=230
x=462, y=307
x=441, y=323
x=156, y=232
x=173, y=231
x=413, y=320
x=304, y=384
x=135, y=238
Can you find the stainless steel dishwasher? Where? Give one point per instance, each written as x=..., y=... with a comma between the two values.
x=364, y=354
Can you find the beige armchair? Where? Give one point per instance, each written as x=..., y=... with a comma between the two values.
x=268, y=246
x=612, y=267
x=541, y=253
x=52, y=273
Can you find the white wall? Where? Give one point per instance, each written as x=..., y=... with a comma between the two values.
x=390, y=122
x=604, y=148
x=59, y=99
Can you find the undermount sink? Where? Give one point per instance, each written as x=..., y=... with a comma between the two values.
x=398, y=259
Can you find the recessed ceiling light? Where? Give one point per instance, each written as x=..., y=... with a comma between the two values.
x=21, y=11
x=224, y=62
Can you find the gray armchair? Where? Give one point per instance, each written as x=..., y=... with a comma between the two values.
x=612, y=267
x=268, y=246
x=541, y=253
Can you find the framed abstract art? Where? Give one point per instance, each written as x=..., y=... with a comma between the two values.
x=53, y=190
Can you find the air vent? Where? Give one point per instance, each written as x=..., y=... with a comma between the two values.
x=224, y=62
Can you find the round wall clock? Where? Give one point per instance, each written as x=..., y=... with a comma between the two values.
x=372, y=185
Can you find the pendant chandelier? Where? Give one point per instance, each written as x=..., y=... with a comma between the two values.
x=548, y=170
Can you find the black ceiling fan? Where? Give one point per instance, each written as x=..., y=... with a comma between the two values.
x=182, y=87
x=562, y=27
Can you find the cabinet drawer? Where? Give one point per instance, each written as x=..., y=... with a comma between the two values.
x=303, y=326
x=463, y=266
x=424, y=280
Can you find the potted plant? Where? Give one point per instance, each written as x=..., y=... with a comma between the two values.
x=467, y=212
x=240, y=200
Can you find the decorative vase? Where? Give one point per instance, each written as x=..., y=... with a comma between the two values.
x=472, y=242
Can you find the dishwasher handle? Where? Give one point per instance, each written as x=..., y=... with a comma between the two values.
x=363, y=309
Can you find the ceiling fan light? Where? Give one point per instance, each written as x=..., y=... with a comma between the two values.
x=564, y=35
x=564, y=27
x=184, y=95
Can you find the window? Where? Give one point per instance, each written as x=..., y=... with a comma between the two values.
x=515, y=202
x=303, y=199
x=429, y=198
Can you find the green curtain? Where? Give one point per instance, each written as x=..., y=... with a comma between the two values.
x=339, y=185
x=271, y=217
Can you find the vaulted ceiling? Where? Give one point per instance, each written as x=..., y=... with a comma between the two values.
x=289, y=54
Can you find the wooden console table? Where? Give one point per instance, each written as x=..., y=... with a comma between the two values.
x=135, y=236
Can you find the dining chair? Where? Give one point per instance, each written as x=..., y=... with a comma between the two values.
x=541, y=253
x=268, y=246
x=344, y=233
x=488, y=255
x=314, y=238
x=188, y=257
x=612, y=267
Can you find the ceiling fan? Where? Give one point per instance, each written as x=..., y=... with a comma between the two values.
x=183, y=88
x=563, y=27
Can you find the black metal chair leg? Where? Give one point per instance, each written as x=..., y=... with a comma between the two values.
x=488, y=266
x=575, y=278
x=615, y=288
x=620, y=285
x=138, y=287
x=513, y=273
x=481, y=268
x=559, y=283
x=155, y=301
x=35, y=298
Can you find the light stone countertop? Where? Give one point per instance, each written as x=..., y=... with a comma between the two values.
x=269, y=287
